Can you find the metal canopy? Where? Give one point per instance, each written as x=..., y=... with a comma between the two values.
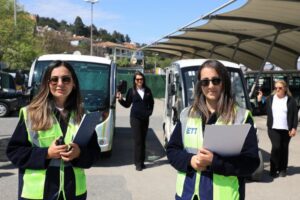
x=243, y=36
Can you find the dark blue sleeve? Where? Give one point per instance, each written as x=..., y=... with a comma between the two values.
x=177, y=156
x=89, y=154
x=128, y=101
x=22, y=154
x=245, y=163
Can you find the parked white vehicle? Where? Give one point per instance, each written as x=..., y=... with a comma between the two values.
x=97, y=79
x=181, y=78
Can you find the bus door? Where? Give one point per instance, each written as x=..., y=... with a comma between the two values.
x=171, y=96
x=294, y=86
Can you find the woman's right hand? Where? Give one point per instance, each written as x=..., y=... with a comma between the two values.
x=119, y=95
x=259, y=96
x=55, y=150
x=195, y=163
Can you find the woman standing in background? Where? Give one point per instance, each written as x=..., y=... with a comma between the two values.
x=282, y=122
x=141, y=98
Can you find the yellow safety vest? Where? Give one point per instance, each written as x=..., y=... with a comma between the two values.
x=224, y=187
x=34, y=180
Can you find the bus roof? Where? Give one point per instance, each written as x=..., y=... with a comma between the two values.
x=195, y=62
x=273, y=72
x=73, y=57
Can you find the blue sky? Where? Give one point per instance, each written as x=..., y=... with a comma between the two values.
x=144, y=21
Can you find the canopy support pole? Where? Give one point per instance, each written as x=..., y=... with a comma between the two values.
x=264, y=63
x=235, y=49
x=212, y=52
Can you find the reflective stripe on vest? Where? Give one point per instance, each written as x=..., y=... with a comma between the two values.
x=224, y=187
x=34, y=180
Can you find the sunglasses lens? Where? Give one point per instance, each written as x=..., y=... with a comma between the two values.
x=53, y=80
x=216, y=81
x=66, y=79
x=205, y=82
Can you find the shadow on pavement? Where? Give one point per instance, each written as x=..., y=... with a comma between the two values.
x=292, y=170
x=5, y=164
x=122, y=153
x=3, y=145
x=265, y=155
x=266, y=178
x=6, y=174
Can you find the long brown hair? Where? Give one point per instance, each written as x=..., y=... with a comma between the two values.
x=225, y=104
x=40, y=110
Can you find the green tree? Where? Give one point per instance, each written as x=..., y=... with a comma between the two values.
x=95, y=31
x=17, y=43
x=118, y=37
x=127, y=38
x=104, y=35
x=53, y=43
x=123, y=62
x=152, y=59
x=51, y=22
x=80, y=28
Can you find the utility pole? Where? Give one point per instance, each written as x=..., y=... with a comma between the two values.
x=92, y=4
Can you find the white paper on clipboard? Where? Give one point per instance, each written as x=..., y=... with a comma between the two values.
x=225, y=140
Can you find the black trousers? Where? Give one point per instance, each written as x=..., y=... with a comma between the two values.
x=139, y=128
x=280, y=140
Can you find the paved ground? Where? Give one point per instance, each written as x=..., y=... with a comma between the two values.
x=116, y=179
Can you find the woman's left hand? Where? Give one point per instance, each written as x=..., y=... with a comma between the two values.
x=72, y=153
x=292, y=132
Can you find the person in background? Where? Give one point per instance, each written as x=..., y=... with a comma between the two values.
x=50, y=165
x=282, y=122
x=203, y=174
x=141, y=98
x=261, y=100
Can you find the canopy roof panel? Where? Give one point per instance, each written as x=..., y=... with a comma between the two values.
x=243, y=36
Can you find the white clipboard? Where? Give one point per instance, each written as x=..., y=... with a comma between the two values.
x=225, y=140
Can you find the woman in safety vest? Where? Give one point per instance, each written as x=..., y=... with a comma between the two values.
x=203, y=174
x=50, y=165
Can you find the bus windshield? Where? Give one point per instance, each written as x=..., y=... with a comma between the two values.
x=94, y=81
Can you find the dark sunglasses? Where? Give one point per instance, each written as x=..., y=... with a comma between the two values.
x=139, y=79
x=64, y=79
x=278, y=88
x=214, y=81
